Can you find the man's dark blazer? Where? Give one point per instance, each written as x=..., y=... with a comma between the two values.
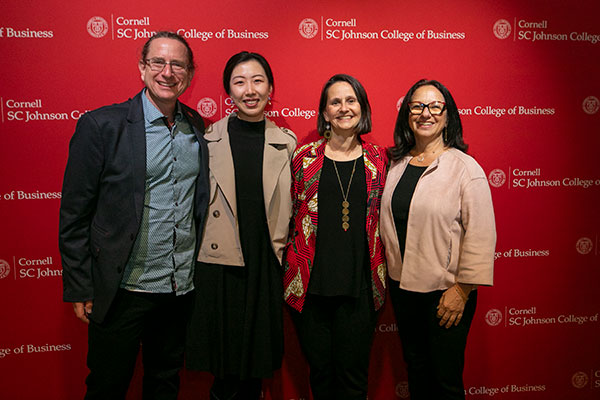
x=103, y=199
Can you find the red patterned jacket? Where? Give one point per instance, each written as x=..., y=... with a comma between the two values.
x=300, y=249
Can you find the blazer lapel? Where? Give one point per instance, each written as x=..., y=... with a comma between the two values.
x=136, y=131
x=312, y=166
x=370, y=167
x=198, y=126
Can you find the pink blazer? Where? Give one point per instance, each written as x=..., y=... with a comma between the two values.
x=451, y=233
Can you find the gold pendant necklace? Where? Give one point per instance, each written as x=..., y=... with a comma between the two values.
x=345, y=202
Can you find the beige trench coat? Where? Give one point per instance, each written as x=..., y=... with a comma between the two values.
x=221, y=241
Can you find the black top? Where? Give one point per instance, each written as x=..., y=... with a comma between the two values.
x=341, y=257
x=247, y=141
x=401, y=201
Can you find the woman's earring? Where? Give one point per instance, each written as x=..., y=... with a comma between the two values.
x=445, y=134
x=327, y=133
x=269, y=101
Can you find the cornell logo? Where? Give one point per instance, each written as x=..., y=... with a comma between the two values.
x=584, y=245
x=591, y=105
x=4, y=269
x=497, y=177
x=402, y=390
x=579, y=379
x=308, y=28
x=207, y=107
x=502, y=29
x=97, y=27
x=493, y=317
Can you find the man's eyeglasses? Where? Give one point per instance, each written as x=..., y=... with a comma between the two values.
x=435, y=107
x=158, y=64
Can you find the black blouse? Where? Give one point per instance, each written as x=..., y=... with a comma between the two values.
x=341, y=257
x=401, y=201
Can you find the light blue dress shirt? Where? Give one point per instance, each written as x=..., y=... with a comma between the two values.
x=162, y=259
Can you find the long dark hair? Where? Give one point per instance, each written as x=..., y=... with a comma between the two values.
x=404, y=138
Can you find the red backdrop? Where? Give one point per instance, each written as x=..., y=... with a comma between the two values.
x=524, y=74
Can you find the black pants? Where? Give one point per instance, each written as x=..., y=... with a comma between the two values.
x=232, y=388
x=435, y=356
x=336, y=334
x=157, y=322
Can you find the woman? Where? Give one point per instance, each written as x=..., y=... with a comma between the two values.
x=334, y=265
x=236, y=331
x=437, y=224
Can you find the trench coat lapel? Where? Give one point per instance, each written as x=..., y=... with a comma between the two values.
x=221, y=161
x=275, y=160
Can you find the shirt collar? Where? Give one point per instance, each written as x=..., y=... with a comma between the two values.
x=151, y=113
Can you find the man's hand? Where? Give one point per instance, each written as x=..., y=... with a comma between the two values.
x=83, y=309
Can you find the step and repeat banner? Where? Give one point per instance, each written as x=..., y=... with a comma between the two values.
x=525, y=78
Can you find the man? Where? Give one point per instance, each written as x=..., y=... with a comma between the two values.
x=135, y=194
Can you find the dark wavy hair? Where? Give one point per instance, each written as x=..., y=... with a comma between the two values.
x=364, y=125
x=174, y=36
x=404, y=138
x=241, y=57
